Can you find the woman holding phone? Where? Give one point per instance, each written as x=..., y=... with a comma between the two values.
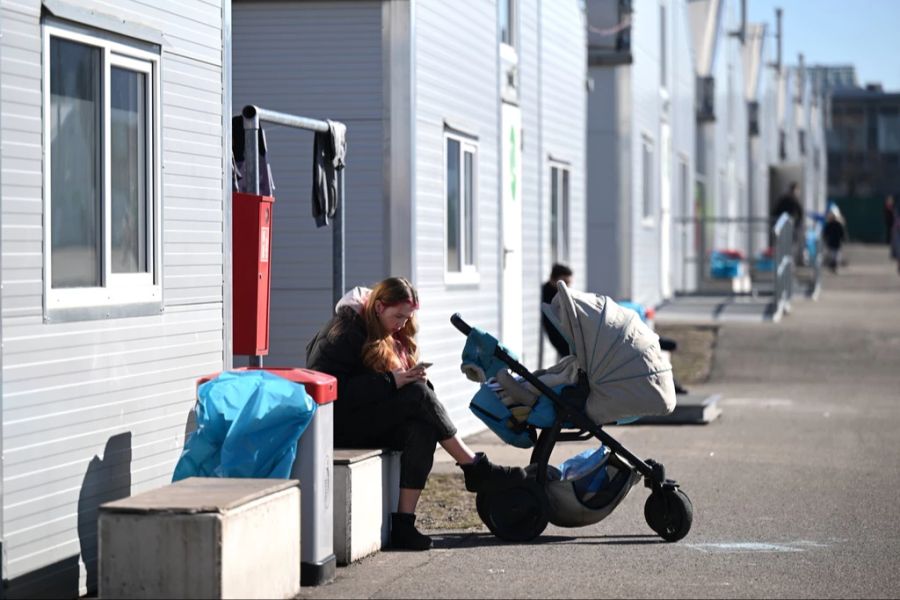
x=385, y=398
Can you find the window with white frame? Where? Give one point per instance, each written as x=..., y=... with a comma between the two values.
x=508, y=22
x=460, y=178
x=560, y=230
x=101, y=172
x=647, y=204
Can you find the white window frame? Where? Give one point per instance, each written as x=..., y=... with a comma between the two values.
x=468, y=273
x=119, y=289
x=648, y=177
x=562, y=204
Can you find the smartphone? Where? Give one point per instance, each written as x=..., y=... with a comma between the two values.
x=423, y=365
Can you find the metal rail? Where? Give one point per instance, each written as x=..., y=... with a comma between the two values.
x=252, y=116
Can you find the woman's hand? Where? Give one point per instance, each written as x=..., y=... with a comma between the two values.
x=402, y=377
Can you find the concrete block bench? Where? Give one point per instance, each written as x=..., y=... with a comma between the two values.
x=203, y=538
x=366, y=490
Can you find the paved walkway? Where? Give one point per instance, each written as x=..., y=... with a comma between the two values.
x=794, y=488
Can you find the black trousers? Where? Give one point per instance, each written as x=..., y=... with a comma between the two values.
x=413, y=421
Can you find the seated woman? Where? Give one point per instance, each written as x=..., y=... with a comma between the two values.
x=384, y=400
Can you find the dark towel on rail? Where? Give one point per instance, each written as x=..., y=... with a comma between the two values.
x=329, y=151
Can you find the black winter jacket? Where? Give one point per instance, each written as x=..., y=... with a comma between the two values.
x=337, y=350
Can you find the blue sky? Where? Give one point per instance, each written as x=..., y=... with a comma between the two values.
x=864, y=33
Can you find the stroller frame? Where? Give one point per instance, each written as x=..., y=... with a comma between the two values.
x=668, y=510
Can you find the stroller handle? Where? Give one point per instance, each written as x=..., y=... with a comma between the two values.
x=460, y=324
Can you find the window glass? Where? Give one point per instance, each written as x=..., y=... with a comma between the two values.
x=507, y=21
x=647, y=179
x=564, y=217
x=554, y=215
x=128, y=140
x=469, y=213
x=75, y=153
x=453, y=206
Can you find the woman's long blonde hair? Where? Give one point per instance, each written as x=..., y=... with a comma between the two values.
x=385, y=351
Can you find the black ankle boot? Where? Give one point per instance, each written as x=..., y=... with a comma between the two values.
x=484, y=476
x=405, y=536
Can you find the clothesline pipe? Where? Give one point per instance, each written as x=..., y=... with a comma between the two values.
x=252, y=115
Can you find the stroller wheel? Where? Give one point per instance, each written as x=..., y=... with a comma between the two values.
x=669, y=513
x=517, y=514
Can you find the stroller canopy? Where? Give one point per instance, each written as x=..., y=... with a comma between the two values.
x=619, y=353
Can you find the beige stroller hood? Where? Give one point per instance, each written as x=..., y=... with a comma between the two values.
x=619, y=353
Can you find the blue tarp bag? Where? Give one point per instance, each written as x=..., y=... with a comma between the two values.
x=248, y=424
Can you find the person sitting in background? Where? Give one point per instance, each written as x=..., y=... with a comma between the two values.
x=559, y=272
x=834, y=234
x=386, y=400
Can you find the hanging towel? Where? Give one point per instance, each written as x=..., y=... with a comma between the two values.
x=329, y=151
x=239, y=179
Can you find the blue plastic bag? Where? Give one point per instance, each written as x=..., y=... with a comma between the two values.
x=587, y=470
x=248, y=424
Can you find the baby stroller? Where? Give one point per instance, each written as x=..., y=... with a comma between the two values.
x=616, y=373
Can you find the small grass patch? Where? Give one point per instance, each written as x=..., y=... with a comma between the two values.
x=692, y=361
x=445, y=504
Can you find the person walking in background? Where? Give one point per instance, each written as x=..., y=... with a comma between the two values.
x=789, y=203
x=889, y=216
x=559, y=272
x=834, y=233
x=895, y=235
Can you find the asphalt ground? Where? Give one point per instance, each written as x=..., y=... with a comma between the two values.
x=795, y=487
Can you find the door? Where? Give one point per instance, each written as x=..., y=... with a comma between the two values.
x=665, y=210
x=511, y=217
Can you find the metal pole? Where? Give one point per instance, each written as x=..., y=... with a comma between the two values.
x=337, y=244
x=251, y=152
x=252, y=116
x=251, y=172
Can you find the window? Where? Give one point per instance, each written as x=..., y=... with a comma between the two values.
x=647, y=180
x=460, y=178
x=684, y=187
x=508, y=22
x=559, y=214
x=889, y=130
x=101, y=175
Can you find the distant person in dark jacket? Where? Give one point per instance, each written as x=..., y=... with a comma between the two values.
x=895, y=236
x=789, y=203
x=889, y=216
x=559, y=272
x=834, y=233
x=385, y=398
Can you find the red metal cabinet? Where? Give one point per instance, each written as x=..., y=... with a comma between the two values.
x=251, y=272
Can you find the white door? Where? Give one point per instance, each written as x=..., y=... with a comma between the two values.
x=665, y=210
x=511, y=217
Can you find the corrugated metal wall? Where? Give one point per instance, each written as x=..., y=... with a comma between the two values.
x=96, y=410
x=552, y=101
x=321, y=60
x=456, y=48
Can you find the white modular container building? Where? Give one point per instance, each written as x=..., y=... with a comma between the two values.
x=115, y=195
x=465, y=164
x=722, y=130
x=641, y=158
